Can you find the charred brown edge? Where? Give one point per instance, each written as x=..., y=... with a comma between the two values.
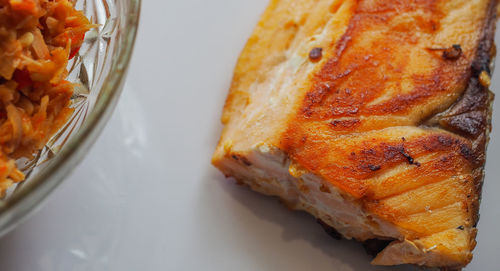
x=475, y=97
x=468, y=101
x=470, y=117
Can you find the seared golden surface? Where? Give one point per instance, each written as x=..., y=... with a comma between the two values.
x=394, y=113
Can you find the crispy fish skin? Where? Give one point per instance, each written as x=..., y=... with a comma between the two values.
x=372, y=115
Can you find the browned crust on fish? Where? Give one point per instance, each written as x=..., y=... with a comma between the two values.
x=349, y=81
x=395, y=114
x=471, y=116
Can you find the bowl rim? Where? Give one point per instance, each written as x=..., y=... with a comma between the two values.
x=20, y=204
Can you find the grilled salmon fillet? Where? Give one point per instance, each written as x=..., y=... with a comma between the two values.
x=372, y=115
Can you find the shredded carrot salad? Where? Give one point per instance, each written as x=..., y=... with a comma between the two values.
x=37, y=38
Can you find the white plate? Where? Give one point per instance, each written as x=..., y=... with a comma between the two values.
x=146, y=197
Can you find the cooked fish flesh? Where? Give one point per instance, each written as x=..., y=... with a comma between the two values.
x=373, y=116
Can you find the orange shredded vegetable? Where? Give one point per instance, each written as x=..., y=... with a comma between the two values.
x=37, y=38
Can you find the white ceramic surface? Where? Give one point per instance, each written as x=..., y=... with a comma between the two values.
x=146, y=197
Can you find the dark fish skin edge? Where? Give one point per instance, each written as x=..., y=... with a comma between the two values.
x=471, y=115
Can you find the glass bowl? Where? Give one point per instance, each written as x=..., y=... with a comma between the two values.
x=99, y=69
